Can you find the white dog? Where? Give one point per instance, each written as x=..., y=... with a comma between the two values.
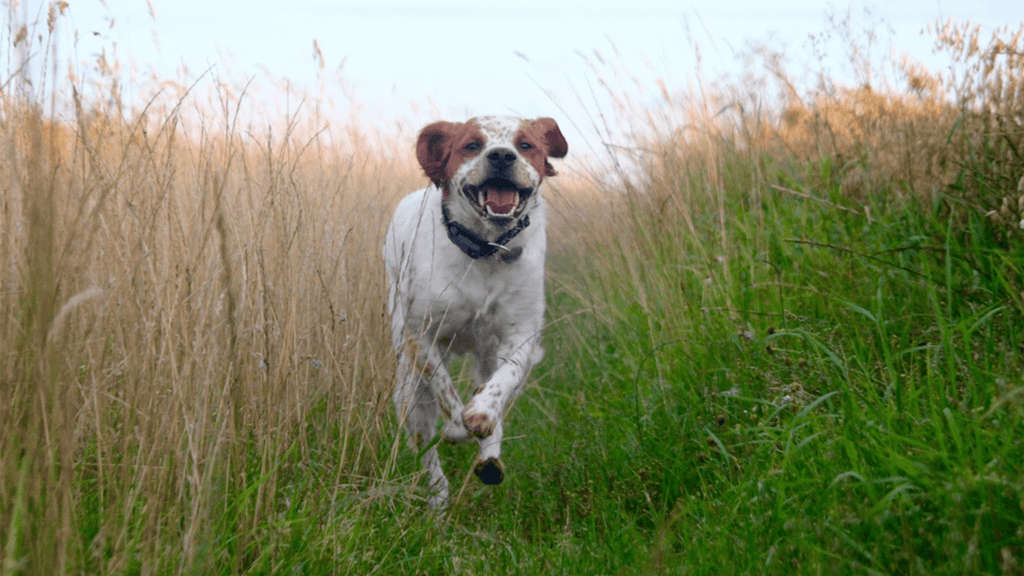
x=465, y=258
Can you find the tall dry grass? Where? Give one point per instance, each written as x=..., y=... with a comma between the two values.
x=947, y=139
x=181, y=290
x=944, y=143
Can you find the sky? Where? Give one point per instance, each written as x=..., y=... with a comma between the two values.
x=451, y=59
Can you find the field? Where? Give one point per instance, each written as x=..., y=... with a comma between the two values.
x=786, y=339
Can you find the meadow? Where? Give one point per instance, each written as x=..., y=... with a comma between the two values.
x=787, y=339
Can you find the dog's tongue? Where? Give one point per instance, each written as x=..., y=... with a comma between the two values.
x=500, y=201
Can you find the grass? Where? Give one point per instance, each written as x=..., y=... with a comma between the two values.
x=792, y=400
x=777, y=345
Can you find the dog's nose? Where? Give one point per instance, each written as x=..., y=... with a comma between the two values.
x=501, y=158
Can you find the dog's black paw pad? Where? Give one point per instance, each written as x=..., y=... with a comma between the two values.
x=490, y=471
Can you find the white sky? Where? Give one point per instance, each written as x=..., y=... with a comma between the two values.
x=457, y=58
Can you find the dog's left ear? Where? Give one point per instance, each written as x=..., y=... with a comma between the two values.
x=433, y=149
x=552, y=137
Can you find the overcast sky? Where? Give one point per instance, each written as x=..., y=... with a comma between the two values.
x=457, y=58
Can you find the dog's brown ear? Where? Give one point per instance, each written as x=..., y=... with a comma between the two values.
x=553, y=139
x=433, y=149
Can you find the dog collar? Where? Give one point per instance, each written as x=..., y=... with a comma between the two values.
x=476, y=246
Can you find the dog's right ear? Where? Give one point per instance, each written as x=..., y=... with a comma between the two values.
x=433, y=149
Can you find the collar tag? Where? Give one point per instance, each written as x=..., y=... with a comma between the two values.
x=510, y=256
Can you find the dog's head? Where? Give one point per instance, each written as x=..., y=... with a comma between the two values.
x=495, y=162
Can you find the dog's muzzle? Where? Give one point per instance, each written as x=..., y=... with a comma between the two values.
x=498, y=198
x=502, y=194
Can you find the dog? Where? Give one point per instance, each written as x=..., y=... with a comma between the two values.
x=465, y=261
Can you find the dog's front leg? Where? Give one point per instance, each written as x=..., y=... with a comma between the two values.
x=424, y=392
x=433, y=369
x=483, y=415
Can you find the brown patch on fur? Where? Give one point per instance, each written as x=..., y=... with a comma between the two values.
x=479, y=425
x=441, y=149
x=412, y=351
x=545, y=140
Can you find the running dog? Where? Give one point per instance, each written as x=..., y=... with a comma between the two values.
x=465, y=259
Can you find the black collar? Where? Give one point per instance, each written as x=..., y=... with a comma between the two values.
x=476, y=246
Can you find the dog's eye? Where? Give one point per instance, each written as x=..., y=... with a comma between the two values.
x=524, y=145
x=473, y=146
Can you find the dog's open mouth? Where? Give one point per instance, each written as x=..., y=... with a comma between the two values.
x=498, y=198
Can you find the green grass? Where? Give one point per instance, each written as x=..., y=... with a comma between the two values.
x=809, y=392
x=835, y=394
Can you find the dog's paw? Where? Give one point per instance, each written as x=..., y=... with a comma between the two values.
x=438, y=502
x=490, y=471
x=455, y=432
x=480, y=424
x=438, y=499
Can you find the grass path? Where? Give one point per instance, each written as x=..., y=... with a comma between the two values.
x=829, y=394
